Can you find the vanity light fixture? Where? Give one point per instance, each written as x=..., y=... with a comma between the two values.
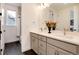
x=44, y=5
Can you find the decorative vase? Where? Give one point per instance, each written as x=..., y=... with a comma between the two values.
x=53, y=28
x=49, y=29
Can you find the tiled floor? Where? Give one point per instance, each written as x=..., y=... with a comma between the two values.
x=15, y=49
x=30, y=52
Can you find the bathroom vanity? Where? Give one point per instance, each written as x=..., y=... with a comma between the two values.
x=55, y=43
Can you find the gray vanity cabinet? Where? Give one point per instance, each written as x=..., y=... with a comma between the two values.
x=42, y=47
x=63, y=46
x=34, y=44
x=38, y=43
x=62, y=52
x=51, y=50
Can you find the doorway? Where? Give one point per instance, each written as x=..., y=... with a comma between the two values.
x=12, y=28
x=11, y=16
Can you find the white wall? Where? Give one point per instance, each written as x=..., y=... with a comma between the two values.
x=33, y=18
x=18, y=21
x=29, y=22
x=28, y=16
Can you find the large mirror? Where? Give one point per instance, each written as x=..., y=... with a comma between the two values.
x=66, y=15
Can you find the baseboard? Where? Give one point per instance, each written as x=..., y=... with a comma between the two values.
x=13, y=42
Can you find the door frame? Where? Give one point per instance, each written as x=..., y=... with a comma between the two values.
x=13, y=8
x=3, y=27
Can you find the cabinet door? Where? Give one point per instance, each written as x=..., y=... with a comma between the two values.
x=42, y=47
x=51, y=50
x=63, y=45
x=35, y=44
x=62, y=52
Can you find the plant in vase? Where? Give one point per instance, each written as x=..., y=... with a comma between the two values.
x=49, y=24
x=54, y=26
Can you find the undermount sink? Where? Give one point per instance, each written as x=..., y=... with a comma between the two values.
x=64, y=36
x=60, y=34
x=70, y=37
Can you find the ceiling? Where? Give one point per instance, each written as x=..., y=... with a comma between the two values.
x=53, y=5
x=14, y=4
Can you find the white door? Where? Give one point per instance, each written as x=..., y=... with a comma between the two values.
x=11, y=16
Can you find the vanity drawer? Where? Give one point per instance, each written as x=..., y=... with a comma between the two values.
x=62, y=52
x=42, y=47
x=63, y=45
x=42, y=38
x=34, y=35
x=51, y=50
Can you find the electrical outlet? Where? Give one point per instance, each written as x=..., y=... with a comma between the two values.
x=18, y=36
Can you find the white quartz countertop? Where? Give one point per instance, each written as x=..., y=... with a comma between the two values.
x=59, y=35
